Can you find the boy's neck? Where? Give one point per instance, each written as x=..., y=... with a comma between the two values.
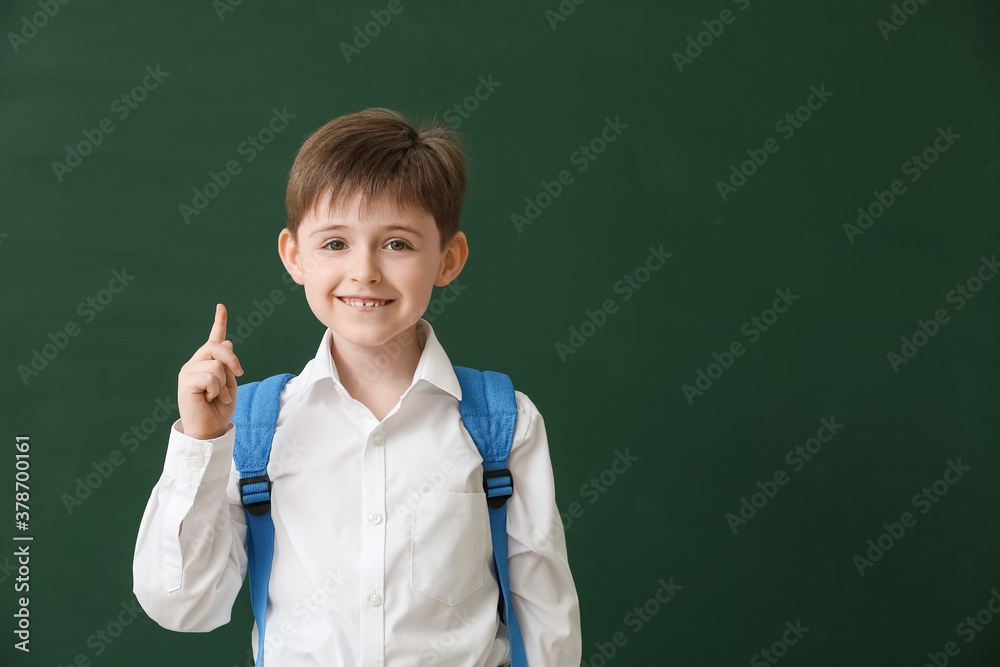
x=364, y=371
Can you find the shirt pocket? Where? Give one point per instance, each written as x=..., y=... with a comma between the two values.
x=449, y=545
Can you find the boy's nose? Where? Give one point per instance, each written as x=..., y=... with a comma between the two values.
x=365, y=267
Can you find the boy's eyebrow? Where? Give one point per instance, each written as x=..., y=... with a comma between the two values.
x=405, y=228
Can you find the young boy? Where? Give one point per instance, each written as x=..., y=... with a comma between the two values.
x=382, y=549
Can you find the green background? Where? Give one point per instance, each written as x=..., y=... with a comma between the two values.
x=656, y=184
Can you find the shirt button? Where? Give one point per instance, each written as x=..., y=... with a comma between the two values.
x=378, y=438
x=196, y=461
x=375, y=518
x=374, y=599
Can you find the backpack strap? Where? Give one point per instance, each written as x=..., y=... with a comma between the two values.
x=255, y=417
x=489, y=412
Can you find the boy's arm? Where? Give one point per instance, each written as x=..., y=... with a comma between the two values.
x=188, y=582
x=542, y=588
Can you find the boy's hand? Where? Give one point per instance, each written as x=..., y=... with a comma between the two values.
x=206, y=385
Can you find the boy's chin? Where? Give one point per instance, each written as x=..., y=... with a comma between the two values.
x=371, y=334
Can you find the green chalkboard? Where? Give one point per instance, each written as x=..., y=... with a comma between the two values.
x=741, y=255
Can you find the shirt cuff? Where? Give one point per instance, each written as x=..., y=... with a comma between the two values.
x=194, y=461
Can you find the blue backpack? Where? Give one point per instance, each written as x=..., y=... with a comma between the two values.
x=489, y=412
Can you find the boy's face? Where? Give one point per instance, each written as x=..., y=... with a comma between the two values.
x=336, y=255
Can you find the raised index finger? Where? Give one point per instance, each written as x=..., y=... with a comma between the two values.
x=219, y=328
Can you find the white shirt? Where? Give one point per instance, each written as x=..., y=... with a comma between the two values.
x=382, y=539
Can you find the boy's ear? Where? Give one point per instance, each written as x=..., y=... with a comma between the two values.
x=455, y=256
x=289, y=252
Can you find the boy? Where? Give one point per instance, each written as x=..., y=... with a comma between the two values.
x=382, y=549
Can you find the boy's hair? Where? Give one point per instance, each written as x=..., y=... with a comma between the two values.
x=376, y=152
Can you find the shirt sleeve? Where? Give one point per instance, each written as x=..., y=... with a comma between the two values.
x=542, y=587
x=188, y=582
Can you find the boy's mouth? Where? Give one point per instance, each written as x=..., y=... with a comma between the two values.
x=364, y=303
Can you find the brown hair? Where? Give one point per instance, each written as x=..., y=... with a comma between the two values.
x=376, y=152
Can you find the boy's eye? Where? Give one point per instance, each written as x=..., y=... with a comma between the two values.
x=404, y=245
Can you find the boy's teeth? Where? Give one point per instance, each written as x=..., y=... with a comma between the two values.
x=358, y=303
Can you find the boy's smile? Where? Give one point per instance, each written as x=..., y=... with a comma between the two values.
x=365, y=304
x=368, y=275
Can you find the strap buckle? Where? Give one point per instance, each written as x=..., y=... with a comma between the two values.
x=498, y=486
x=260, y=506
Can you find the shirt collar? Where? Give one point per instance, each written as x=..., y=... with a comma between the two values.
x=434, y=366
